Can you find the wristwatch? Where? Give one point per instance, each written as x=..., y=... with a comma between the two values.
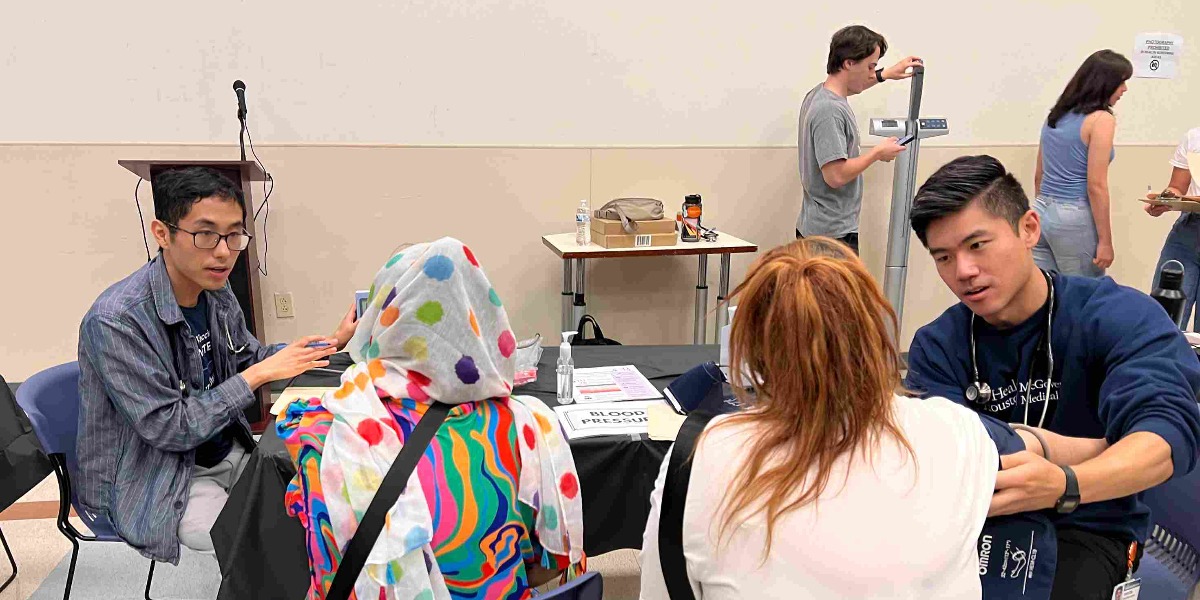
x=1070, y=498
x=879, y=75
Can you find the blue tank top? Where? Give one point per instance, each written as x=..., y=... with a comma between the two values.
x=1065, y=158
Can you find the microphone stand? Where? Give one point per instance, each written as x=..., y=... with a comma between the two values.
x=242, y=134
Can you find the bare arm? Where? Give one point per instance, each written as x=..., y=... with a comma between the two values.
x=1181, y=180
x=1027, y=482
x=1138, y=462
x=839, y=172
x=1100, y=144
x=1063, y=450
x=1037, y=174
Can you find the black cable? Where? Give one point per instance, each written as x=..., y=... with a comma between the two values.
x=262, y=264
x=141, y=219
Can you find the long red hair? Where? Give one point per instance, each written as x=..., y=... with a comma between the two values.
x=817, y=338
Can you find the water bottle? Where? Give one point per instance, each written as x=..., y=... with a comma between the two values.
x=565, y=370
x=1169, y=292
x=693, y=208
x=583, y=224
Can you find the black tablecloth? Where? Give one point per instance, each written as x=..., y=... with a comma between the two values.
x=261, y=549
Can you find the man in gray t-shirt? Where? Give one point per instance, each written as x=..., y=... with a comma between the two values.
x=831, y=165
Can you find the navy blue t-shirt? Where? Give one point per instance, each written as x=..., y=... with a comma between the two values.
x=216, y=448
x=1120, y=366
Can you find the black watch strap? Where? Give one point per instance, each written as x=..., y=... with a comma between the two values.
x=1070, y=498
x=879, y=75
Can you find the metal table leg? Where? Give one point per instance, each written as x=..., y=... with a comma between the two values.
x=701, y=301
x=567, y=295
x=722, y=293
x=580, y=305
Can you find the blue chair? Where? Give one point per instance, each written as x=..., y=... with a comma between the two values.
x=51, y=400
x=12, y=562
x=1171, y=565
x=589, y=586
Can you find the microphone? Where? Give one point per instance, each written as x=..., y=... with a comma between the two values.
x=1169, y=292
x=239, y=88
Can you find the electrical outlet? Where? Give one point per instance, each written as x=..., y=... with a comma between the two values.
x=284, y=309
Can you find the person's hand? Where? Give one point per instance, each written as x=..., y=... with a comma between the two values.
x=292, y=360
x=1032, y=444
x=900, y=70
x=345, y=329
x=1155, y=210
x=888, y=150
x=1026, y=482
x=1104, y=255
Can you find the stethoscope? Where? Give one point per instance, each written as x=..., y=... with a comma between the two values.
x=980, y=392
x=229, y=341
x=183, y=388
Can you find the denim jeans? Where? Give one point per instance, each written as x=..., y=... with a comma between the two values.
x=1183, y=245
x=1069, y=238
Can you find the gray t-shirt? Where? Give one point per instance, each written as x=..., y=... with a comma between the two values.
x=828, y=132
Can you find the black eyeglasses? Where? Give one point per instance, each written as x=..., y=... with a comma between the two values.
x=207, y=240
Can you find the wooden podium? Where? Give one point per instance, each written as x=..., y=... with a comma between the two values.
x=243, y=280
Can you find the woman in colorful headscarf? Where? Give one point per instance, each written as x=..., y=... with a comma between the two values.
x=493, y=507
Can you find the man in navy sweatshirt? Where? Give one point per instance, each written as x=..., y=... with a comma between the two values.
x=1084, y=358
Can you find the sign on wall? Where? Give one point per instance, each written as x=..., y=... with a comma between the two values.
x=1156, y=55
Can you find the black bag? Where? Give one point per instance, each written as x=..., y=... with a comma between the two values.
x=22, y=463
x=359, y=547
x=597, y=339
x=670, y=519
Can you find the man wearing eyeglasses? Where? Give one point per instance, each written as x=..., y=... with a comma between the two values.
x=166, y=368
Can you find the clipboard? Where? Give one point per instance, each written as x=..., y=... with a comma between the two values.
x=1182, y=204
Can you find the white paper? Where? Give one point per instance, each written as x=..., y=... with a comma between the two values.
x=604, y=418
x=1156, y=55
x=612, y=384
x=292, y=394
x=663, y=423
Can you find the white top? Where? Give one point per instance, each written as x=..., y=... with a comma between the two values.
x=1189, y=145
x=892, y=531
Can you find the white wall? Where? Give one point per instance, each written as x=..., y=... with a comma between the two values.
x=526, y=72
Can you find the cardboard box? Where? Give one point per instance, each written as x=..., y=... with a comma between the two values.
x=613, y=227
x=647, y=240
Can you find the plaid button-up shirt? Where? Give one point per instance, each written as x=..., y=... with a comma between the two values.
x=143, y=409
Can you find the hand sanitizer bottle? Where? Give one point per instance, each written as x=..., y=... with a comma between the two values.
x=566, y=370
x=725, y=331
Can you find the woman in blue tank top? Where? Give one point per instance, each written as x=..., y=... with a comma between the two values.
x=1071, y=180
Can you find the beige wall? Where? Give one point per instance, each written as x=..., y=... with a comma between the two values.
x=70, y=228
x=553, y=72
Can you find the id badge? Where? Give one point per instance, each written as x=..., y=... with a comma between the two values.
x=1128, y=590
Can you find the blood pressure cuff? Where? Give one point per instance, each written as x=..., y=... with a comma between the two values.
x=1017, y=557
x=702, y=388
x=1017, y=553
x=1006, y=439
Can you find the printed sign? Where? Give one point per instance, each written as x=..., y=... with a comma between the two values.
x=604, y=418
x=1156, y=55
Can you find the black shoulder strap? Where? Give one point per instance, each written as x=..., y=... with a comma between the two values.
x=670, y=519
x=389, y=491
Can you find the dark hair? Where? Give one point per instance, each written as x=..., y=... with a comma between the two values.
x=962, y=181
x=1092, y=86
x=853, y=42
x=176, y=190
